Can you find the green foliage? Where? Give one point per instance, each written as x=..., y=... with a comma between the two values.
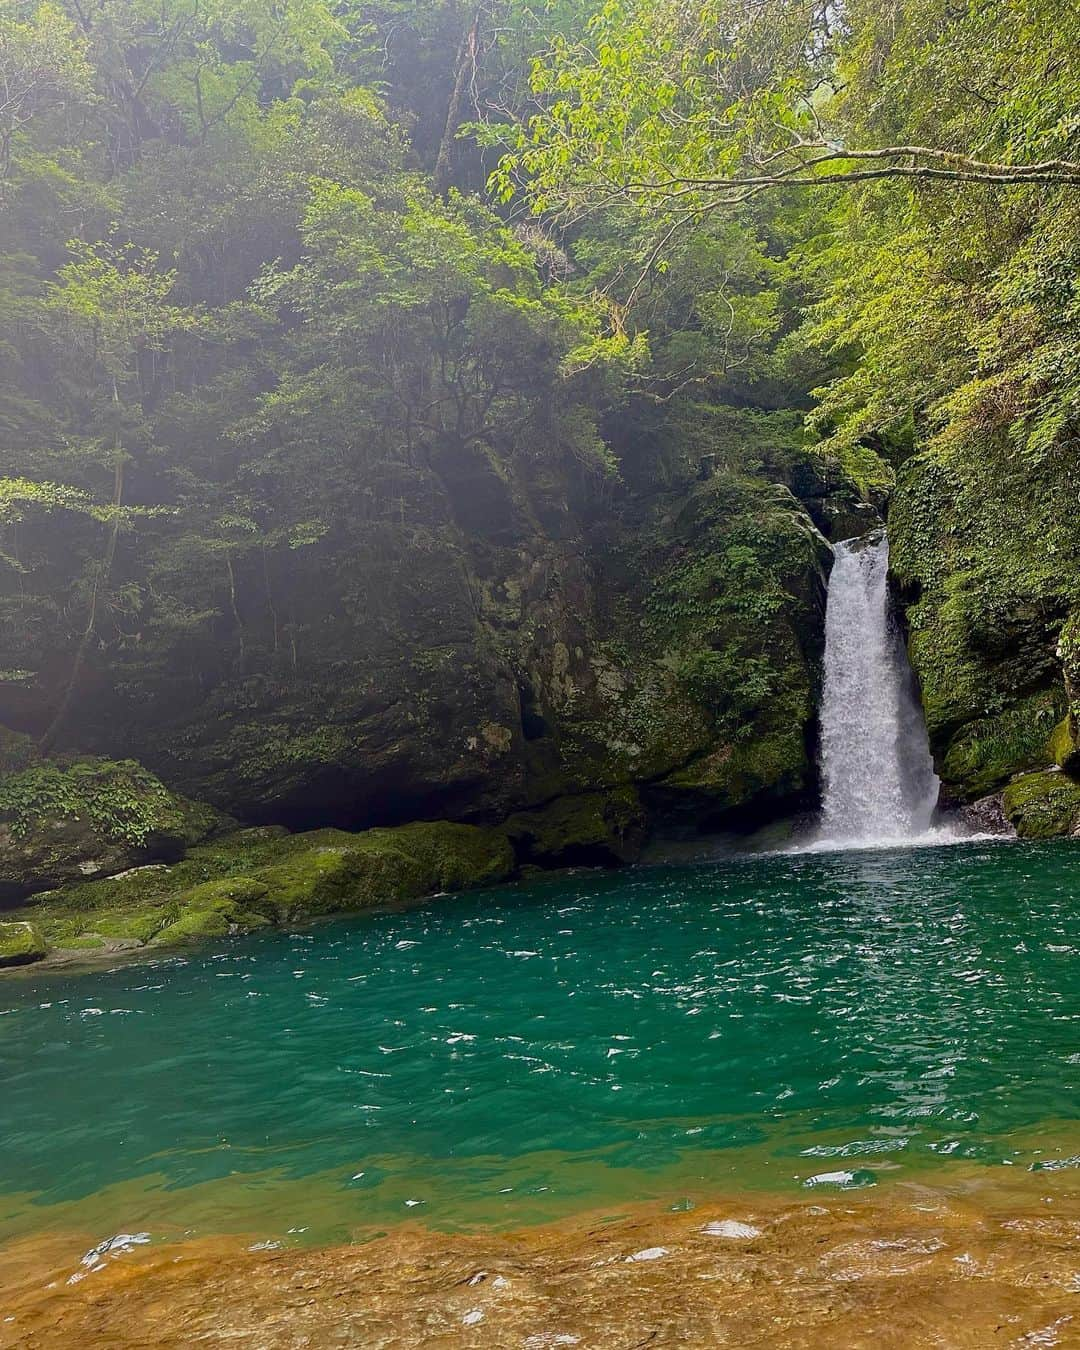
x=121, y=800
x=267, y=324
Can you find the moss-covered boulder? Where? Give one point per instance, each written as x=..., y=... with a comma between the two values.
x=335, y=871
x=68, y=820
x=198, y=925
x=21, y=944
x=1042, y=805
x=1065, y=743
x=606, y=828
x=250, y=878
x=214, y=909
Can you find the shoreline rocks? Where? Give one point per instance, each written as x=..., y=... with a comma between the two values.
x=20, y=944
x=256, y=877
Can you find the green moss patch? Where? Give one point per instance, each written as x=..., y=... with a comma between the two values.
x=253, y=877
x=195, y=926
x=1042, y=805
x=1065, y=743
x=20, y=944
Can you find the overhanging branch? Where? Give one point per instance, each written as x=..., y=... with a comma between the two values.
x=923, y=162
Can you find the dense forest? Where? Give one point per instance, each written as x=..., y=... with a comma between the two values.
x=439, y=412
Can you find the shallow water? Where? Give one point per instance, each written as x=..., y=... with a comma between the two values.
x=525, y=1054
x=900, y=1269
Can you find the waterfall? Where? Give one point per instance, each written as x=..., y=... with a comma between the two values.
x=879, y=785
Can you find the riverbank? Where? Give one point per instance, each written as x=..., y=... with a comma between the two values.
x=242, y=880
x=983, y=1263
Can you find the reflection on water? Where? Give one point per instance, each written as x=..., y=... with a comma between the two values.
x=525, y=1054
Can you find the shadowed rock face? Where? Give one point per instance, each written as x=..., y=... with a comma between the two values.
x=497, y=636
x=912, y=1270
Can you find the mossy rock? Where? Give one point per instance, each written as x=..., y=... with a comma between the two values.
x=245, y=880
x=194, y=926
x=212, y=910
x=21, y=944
x=63, y=821
x=1043, y=805
x=336, y=872
x=326, y=879
x=137, y=926
x=985, y=815
x=1065, y=744
x=226, y=895
x=606, y=828
x=773, y=767
x=988, y=751
x=454, y=856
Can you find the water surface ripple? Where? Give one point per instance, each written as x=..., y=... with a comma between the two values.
x=510, y=1055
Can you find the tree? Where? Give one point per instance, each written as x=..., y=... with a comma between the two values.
x=43, y=66
x=686, y=109
x=112, y=304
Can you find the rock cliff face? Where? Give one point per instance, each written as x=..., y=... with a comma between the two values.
x=495, y=637
x=533, y=670
x=986, y=555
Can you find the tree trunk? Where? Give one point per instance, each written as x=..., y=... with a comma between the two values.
x=100, y=580
x=466, y=63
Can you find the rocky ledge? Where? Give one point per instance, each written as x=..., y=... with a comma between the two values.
x=245, y=879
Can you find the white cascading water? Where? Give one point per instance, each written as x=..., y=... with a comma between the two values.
x=879, y=784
